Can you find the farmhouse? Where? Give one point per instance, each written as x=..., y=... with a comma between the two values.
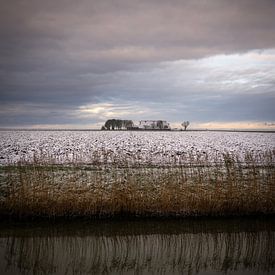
x=154, y=125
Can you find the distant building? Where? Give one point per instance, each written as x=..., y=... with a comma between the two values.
x=154, y=125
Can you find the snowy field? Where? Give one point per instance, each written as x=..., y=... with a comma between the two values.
x=133, y=147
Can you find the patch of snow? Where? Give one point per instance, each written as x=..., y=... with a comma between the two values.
x=158, y=148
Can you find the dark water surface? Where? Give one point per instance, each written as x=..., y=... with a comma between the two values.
x=193, y=246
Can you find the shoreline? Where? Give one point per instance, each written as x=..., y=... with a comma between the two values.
x=124, y=218
x=207, y=224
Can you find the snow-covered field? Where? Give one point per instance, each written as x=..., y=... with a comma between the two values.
x=133, y=147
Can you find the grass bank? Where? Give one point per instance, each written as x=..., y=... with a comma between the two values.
x=196, y=188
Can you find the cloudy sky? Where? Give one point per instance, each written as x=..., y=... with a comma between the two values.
x=74, y=64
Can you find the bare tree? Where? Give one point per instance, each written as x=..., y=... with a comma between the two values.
x=185, y=124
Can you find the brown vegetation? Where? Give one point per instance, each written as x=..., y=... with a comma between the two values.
x=230, y=187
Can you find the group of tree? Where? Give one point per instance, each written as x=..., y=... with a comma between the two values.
x=117, y=124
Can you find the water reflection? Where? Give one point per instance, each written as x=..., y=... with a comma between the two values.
x=159, y=247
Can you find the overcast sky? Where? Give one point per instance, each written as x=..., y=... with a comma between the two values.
x=74, y=64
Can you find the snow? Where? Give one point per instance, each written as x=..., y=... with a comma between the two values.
x=134, y=147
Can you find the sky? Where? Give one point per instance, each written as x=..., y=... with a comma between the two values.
x=75, y=64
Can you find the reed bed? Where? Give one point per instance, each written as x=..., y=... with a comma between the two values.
x=195, y=187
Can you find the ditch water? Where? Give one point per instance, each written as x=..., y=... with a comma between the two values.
x=190, y=246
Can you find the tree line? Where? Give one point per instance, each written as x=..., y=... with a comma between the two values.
x=118, y=124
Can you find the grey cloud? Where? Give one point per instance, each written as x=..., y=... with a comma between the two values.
x=136, y=31
x=28, y=114
x=110, y=34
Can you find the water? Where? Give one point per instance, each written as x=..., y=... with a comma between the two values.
x=193, y=246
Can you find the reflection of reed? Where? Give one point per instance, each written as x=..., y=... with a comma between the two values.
x=155, y=253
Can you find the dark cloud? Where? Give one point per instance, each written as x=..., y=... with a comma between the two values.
x=133, y=31
x=57, y=56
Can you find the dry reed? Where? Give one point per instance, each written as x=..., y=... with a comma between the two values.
x=194, y=188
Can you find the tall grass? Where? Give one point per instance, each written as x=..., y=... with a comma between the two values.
x=197, y=187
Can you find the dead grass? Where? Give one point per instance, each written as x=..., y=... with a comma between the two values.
x=199, y=188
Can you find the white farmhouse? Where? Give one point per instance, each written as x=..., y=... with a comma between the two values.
x=154, y=125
